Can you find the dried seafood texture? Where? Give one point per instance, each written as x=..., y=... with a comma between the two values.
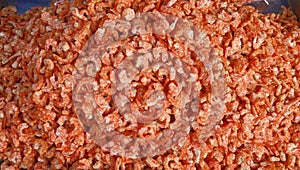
x=154, y=86
x=39, y=128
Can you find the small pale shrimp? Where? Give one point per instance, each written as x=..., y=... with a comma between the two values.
x=105, y=72
x=65, y=100
x=148, y=7
x=63, y=47
x=41, y=146
x=91, y=8
x=97, y=6
x=51, y=44
x=21, y=131
x=102, y=103
x=39, y=99
x=81, y=15
x=11, y=108
x=49, y=65
x=77, y=127
x=84, y=32
x=121, y=4
x=147, y=132
x=37, y=86
x=27, y=149
x=172, y=162
x=69, y=59
x=57, y=164
x=63, y=7
x=152, y=162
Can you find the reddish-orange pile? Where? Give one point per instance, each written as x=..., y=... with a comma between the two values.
x=260, y=53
